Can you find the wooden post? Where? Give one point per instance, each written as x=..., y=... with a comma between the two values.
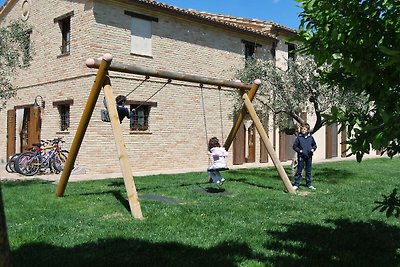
x=5, y=253
x=122, y=153
x=84, y=122
x=270, y=149
x=242, y=113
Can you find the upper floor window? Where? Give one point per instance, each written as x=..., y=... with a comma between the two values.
x=249, y=49
x=291, y=51
x=64, y=108
x=273, y=50
x=64, y=22
x=140, y=121
x=141, y=33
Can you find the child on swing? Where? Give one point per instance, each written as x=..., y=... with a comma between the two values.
x=122, y=110
x=218, y=156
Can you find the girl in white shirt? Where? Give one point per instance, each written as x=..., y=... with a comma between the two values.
x=218, y=156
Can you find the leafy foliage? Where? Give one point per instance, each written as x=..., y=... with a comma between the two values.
x=360, y=42
x=287, y=93
x=390, y=204
x=15, y=53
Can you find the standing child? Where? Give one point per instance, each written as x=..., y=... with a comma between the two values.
x=218, y=156
x=305, y=146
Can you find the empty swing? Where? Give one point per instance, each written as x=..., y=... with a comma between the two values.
x=217, y=153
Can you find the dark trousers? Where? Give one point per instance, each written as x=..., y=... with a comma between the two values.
x=307, y=163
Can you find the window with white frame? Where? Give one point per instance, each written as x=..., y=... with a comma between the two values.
x=141, y=33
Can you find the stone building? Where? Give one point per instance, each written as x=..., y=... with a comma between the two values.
x=171, y=127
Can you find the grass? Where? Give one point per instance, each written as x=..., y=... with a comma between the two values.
x=252, y=221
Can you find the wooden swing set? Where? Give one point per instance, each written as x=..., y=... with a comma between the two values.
x=102, y=80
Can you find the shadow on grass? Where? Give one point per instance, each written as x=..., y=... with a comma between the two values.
x=132, y=252
x=14, y=183
x=332, y=175
x=345, y=244
x=245, y=181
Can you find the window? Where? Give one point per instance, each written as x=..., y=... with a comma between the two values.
x=64, y=113
x=140, y=121
x=291, y=51
x=65, y=26
x=273, y=50
x=64, y=22
x=141, y=33
x=249, y=49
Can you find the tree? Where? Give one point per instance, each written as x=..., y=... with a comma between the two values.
x=359, y=41
x=15, y=53
x=288, y=93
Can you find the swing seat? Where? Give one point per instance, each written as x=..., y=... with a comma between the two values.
x=104, y=115
x=218, y=169
x=215, y=168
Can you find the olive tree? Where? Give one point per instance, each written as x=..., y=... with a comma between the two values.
x=15, y=53
x=286, y=93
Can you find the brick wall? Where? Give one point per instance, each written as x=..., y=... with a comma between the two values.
x=176, y=138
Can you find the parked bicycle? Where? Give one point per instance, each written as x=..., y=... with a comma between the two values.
x=10, y=166
x=45, y=155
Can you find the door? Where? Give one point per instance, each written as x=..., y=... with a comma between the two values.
x=250, y=146
x=11, y=132
x=331, y=141
x=239, y=146
x=29, y=131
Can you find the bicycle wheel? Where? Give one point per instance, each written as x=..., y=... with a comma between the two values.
x=10, y=166
x=27, y=163
x=58, y=161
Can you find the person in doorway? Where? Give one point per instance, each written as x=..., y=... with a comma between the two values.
x=218, y=156
x=121, y=109
x=305, y=147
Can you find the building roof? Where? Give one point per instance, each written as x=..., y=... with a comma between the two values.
x=262, y=28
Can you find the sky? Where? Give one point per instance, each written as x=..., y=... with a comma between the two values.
x=284, y=12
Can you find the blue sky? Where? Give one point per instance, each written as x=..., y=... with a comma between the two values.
x=284, y=12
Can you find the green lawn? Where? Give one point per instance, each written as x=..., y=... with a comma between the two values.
x=251, y=222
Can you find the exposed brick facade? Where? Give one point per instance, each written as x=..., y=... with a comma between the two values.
x=176, y=136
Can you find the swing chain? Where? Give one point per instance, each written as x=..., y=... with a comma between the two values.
x=167, y=82
x=204, y=113
x=137, y=86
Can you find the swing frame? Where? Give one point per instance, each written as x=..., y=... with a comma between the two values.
x=102, y=80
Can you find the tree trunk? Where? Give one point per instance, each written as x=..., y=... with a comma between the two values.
x=5, y=254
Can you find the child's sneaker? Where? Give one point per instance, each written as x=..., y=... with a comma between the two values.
x=295, y=187
x=222, y=181
x=218, y=183
x=312, y=187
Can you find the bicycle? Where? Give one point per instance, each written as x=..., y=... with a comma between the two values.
x=43, y=157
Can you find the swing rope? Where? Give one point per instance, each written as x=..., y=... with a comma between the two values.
x=220, y=113
x=204, y=113
x=167, y=82
x=137, y=86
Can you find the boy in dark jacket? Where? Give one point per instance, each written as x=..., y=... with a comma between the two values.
x=305, y=146
x=121, y=109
